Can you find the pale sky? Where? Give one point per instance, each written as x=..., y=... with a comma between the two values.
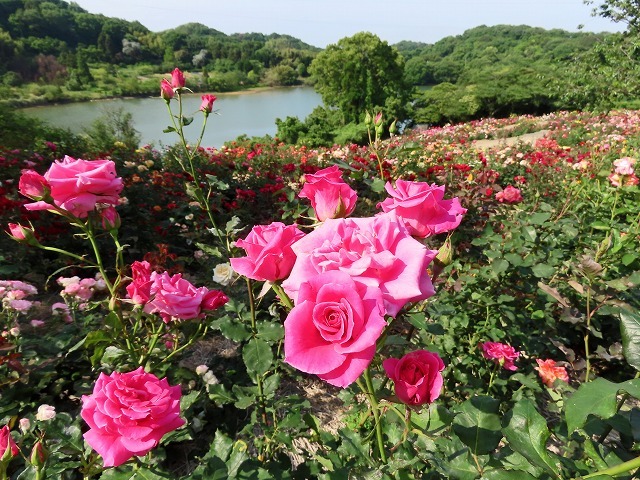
x=323, y=22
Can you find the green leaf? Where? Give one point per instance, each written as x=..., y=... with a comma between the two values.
x=270, y=331
x=237, y=458
x=377, y=185
x=168, y=130
x=539, y=218
x=478, y=424
x=598, y=398
x=232, y=329
x=529, y=233
x=221, y=446
x=507, y=475
x=257, y=356
x=527, y=433
x=628, y=258
x=500, y=265
x=542, y=270
x=630, y=330
x=186, y=121
x=186, y=401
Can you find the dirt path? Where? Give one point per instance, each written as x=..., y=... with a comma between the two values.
x=525, y=138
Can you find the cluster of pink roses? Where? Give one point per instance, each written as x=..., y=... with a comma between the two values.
x=510, y=194
x=171, y=296
x=348, y=274
x=14, y=293
x=81, y=290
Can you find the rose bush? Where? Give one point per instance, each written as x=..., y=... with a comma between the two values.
x=129, y=413
x=333, y=329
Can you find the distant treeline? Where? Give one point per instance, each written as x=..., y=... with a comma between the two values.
x=53, y=50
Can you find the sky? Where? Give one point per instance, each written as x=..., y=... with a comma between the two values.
x=323, y=22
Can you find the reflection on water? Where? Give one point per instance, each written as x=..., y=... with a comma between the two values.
x=250, y=113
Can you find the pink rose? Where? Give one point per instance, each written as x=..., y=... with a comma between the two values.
x=77, y=185
x=33, y=185
x=330, y=196
x=7, y=443
x=110, y=219
x=175, y=298
x=500, y=353
x=422, y=207
x=377, y=251
x=139, y=290
x=624, y=165
x=177, y=78
x=166, y=90
x=23, y=234
x=128, y=414
x=269, y=254
x=416, y=376
x=207, y=103
x=333, y=329
x=509, y=195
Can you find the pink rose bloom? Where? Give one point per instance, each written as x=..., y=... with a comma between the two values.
x=422, y=207
x=416, y=376
x=377, y=251
x=269, y=254
x=166, y=90
x=175, y=298
x=207, y=103
x=330, y=196
x=33, y=185
x=36, y=323
x=139, y=290
x=17, y=231
x=624, y=166
x=20, y=305
x=177, y=78
x=7, y=443
x=333, y=329
x=549, y=372
x=500, y=353
x=128, y=414
x=509, y=195
x=77, y=185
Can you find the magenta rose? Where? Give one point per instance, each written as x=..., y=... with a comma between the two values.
x=128, y=414
x=139, y=290
x=207, y=103
x=423, y=208
x=175, y=298
x=78, y=185
x=329, y=195
x=416, y=376
x=269, y=254
x=333, y=329
x=7, y=443
x=166, y=90
x=177, y=79
x=377, y=251
x=501, y=354
x=510, y=194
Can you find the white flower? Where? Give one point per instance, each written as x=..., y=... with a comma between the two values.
x=25, y=425
x=45, y=412
x=223, y=274
x=202, y=369
x=210, y=379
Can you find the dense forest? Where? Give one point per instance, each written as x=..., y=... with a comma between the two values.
x=53, y=51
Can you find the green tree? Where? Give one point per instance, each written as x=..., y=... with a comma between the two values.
x=359, y=74
x=620, y=11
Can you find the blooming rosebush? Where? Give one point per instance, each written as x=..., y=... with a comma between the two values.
x=129, y=413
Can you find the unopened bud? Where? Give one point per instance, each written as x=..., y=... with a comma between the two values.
x=392, y=127
x=445, y=253
x=23, y=234
x=367, y=120
x=38, y=455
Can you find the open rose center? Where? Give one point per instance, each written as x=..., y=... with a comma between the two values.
x=333, y=321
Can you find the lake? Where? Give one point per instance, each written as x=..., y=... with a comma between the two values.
x=252, y=113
